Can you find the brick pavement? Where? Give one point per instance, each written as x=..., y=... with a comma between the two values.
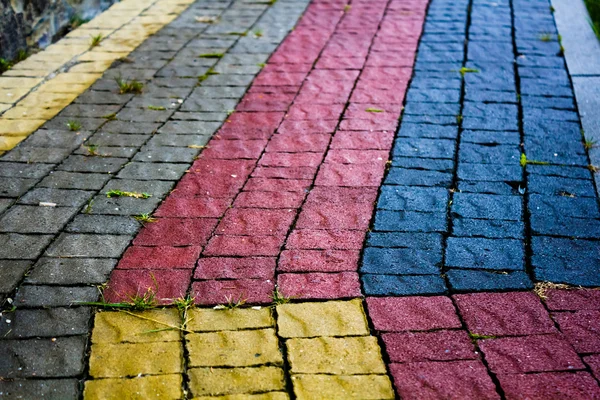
x=319, y=269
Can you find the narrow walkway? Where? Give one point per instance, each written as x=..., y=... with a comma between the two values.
x=310, y=200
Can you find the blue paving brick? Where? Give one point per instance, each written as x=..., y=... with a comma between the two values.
x=414, y=177
x=474, y=280
x=415, y=108
x=565, y=226
x=424, y=148
x=557, y=186
x=485, y=206
x=544, y=103
x=501, y=188
x=490, y=110
x=425, y=164
x=559, y=206
x=442, y=80
x=487, y=137
x=483, y=253
x=555, y=151
x=488, y=228
x=433, y=95
x=402, y=285
x=400, y=261
x=405, y=198
x=416, y=130
x=482, y=154
x=423, y=241
x=489, y=172
x=576, y=262
x=410, y=221
x=490, y=124
x=559, y=170
x=430, y=119
x=490, y=95
x=538, y=114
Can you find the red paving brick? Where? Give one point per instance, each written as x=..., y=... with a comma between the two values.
x=442, y=345
x=318, y=260
x=581, y=328
x=285, y=200
x=257, y=291
x=536, y=353
x=504, y=314
x=223, y=245
x=167, y=284
x=192, y=207
x=319, y=285
x=138, y=257
x=550, y=385
x=176, y=232
x=593, y=362
x=326, y=239
x=573, y=300
x=255, y=221
x=443, y=380
x=235, y=268
x=397, y=314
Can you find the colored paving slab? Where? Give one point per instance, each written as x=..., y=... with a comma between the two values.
x=323, y=199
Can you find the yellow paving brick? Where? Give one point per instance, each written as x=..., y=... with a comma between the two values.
x=47, y=100
x=164, y=387
x=331, y=318
x=57, y=87
x=8, y=142
x=100, y=56
x=116, y=327
x=19, y=112
x=7, y=82
x=109, y=360
x=91, y=66
x=14, y=127
x=234, y=348
x=207, y=320
x=33, y=73
x=4, y=107
x=83, y=32
x=9, y=96
x=330, y=387
x=222, y=381
x=261, y=396
x=340, y=356
x=76, y=78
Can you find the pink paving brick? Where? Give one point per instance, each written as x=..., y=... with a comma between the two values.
x=308, y=111
x=233, y=149
x=549, y=386
x=255, y=221
x=535, y=353
x=593, y=362
x=376, y=112
x=192, y=207
x=298, y=144
x=358, y=175
x=368, y=125
x=137, y=257
x=573, y=300
x=440, y=345
x=443, y=380
x=318, y=260
x=362, y=140
x=266, y=102
x=243, y=246
x=341, y=195
x=285, y=200
x=398, y=314
x=267, y=78
x=326, y=239
x=235, y=268
x=285, y=173
x=176, y=232
x=581, y=328
x=301, y=128
x=255, y=291
x=319, y=285
x=504, y=314
x=167, y=285
x=334, y=216
x=277, y=185
x=291, y=159
x=255, y=119
x=338, y=156
x=328, y=62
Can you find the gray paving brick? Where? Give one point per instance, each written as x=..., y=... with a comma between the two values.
x=50, y=322
x=42, y=358
x=166, y=154
x=153, y=171
x=12, y=272
x=15, y=187
x=31, y=219
x=88, y=246
x=60, y=197
x=107, y=224
x=43, y=138
x=50, y=389
x=75, y=163
x=23, y=170
x=54, y=296
x=155, y=188
x=74, y=180
x=70, y=271
x=47, y=155
x=27, y=247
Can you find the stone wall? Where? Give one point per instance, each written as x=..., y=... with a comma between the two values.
x=26, y=24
